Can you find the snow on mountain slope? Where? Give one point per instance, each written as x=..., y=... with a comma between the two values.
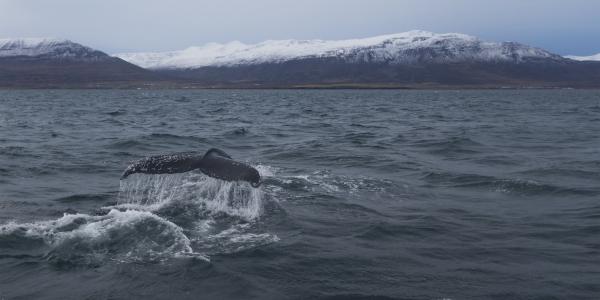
x=595, y=57
x=47, y=48
x=402, y=48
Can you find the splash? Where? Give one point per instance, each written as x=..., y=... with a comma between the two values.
x=156, y=217
x=325, y=182
x=119, y=235
x=152, y=193
x=236, y=238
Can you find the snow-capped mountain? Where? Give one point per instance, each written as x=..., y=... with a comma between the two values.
x=402, y=48
x=49, y=63
x=595, y=57
x=414, y=59
x=48, y=48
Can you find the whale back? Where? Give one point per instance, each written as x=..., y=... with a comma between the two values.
x=163, y=164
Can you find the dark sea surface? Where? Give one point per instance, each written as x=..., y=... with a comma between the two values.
x=366, y=195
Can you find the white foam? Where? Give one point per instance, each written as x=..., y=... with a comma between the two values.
x=217, y=196
x=323, y=181
x=138, y=227
x=265, y=171
x=129, y=235
x=236, y=238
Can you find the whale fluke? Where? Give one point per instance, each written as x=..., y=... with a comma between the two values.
x=215, y=163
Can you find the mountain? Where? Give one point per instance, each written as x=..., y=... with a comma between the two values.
x=403, y=48
x=44, y=62
x=412, y=59
x=48, y=48
x=595, y=57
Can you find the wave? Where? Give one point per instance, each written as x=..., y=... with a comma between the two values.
x=171, y=137
x=117, y=112
x=450, y=146
x=367, y=126
x=128, y=144
x=83, y=198
x=118, y=235
x=325, y=182
x=147, y=142
x=356, y=297
x=156, y=217
x=503, y=185
x=17, y=151
x=237, y=132
x=573, y=172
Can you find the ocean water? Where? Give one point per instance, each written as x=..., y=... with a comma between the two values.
x=367, y=195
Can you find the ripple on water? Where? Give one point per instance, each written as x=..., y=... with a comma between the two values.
x=502, y=185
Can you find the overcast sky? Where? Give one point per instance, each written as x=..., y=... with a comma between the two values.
x=564, y=27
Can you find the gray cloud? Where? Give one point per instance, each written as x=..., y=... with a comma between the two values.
x=565, y=27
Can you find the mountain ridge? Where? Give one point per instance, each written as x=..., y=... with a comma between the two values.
x=49, y=48
x=414, y=59
x=401, y=48
x=61, y=63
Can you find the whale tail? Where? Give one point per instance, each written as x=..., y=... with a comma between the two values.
x=215, y=163
x=218, y=164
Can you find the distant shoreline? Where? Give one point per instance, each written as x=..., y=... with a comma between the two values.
x=297, y=87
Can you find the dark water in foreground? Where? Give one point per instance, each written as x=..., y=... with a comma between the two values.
x=396, y=194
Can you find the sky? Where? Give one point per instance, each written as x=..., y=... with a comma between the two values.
x=113, y=26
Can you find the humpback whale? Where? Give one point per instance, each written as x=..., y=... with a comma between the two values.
x=215, y=163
